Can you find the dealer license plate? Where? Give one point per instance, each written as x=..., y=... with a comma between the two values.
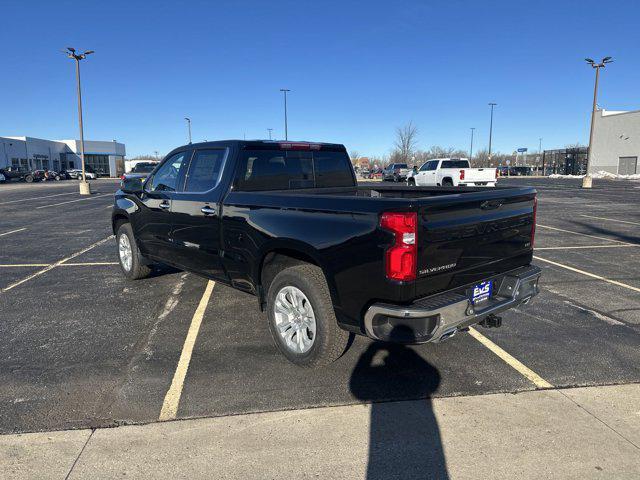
x=482, y=292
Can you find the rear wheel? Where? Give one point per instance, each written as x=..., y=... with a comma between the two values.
x=447, y=182
x=131, y=261
x=28, y=179
x=301, y=317
x=411, y=182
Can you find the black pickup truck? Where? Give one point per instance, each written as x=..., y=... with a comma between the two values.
x=326, y=258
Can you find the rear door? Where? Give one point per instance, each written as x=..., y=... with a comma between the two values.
x=195, y=213
x=471, y=236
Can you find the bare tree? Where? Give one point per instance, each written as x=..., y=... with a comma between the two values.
x=406, y=141
x=355, y=156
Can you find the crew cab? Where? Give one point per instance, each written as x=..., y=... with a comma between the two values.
x=326, y=258
x=452, y=172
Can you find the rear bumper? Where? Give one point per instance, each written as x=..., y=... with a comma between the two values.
x=439, y=316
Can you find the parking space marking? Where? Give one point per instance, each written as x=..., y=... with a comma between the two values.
x=66, y=264
x=88, y=264
x=510, y=360
x=57, y=264
x=588, y=274
x=610, y=219
x=72, y=201
x=588, y=246
x=37, y=198
x=585, y=234
x=172, y=398
x=22, y=265
x=12, y=231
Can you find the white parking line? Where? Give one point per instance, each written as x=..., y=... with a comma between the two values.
x=172, y=398
x=584, y=234
x=510, y=360
x=17, y=265
x=72, y=201
x=66, y=264
x=610, y=219
x=12, y=231
x=54, y=265
x=588, y=274
x=588, y=246
x=37, y=198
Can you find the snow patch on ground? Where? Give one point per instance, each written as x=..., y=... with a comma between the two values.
x=600, y=174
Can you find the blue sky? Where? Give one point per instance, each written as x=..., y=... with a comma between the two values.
x=356, y=70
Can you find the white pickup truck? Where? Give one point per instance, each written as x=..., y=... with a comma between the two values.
x=452, y=172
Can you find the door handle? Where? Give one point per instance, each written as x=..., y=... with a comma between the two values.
x=164, y=206
x=208, y=211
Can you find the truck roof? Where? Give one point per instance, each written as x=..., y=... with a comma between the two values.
x=268, y=144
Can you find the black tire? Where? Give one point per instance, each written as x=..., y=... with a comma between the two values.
x=330, y=341
x=139, y=269
x=57, y=178
x=447, y=182
x=411, y=182
x=28, y=178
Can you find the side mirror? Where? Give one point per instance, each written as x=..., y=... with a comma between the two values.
x=132, y=185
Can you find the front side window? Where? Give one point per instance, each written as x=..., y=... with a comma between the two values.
x=204, y=170
x=166, y=178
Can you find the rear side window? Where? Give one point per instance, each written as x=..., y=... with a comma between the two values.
x=455, y=164
x=204, y=170
x=294, y=169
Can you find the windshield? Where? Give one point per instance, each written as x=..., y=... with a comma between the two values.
x=143, y=168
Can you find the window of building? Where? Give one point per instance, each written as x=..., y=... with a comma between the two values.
x=99, y=163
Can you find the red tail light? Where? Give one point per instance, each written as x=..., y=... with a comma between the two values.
x=122, y=177
x=402, y=257
x=533, y=225
x=299, y=146
x=461, y=174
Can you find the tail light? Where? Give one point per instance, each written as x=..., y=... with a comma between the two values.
x=299, y=146
x=533, y=225
x=461, y=174
x=122, y=177
x=402, y=257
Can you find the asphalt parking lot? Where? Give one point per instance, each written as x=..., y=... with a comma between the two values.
x=83, y=347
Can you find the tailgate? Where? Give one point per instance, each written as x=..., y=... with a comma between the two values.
x=480, y=175
x=467, y=237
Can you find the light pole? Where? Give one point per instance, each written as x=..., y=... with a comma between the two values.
x=471, y=149
x=85, y=189
x=491, y=130
x=286, y=130
x=587, y=181
x=189, y=127
x=270, y=130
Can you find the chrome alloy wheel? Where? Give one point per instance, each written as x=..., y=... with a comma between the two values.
x=124, y=250
x=295, y=320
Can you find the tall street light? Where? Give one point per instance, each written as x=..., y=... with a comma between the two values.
x=270, y=130
x=587, y=181
x=286, y=129
x=491, y=130
x=188, y=127
x=85, y=189
x=471, y=149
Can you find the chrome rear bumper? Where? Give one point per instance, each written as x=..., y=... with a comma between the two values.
x=439, y=316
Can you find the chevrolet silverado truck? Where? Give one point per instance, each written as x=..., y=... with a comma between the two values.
x=452, y=172
x=327, y=258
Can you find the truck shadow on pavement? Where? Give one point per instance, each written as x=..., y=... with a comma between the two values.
x=404, y=438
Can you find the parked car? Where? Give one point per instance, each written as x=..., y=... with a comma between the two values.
x=140, y=171
x=12, y=173
x=396, y=172
x=325, y=258
x=452, y=172
x=89, y=172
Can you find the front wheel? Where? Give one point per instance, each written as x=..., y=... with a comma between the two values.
x=131, y=261
x=28, y=179
x=301, y=317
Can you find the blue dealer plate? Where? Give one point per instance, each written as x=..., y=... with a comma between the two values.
x=481, y=292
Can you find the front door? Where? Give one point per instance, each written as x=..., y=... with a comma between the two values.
x=426, y=176
x=196, y=211
x=152, y=223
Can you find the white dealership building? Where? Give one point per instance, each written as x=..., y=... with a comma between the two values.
x=28, y=154
x=616, y=142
